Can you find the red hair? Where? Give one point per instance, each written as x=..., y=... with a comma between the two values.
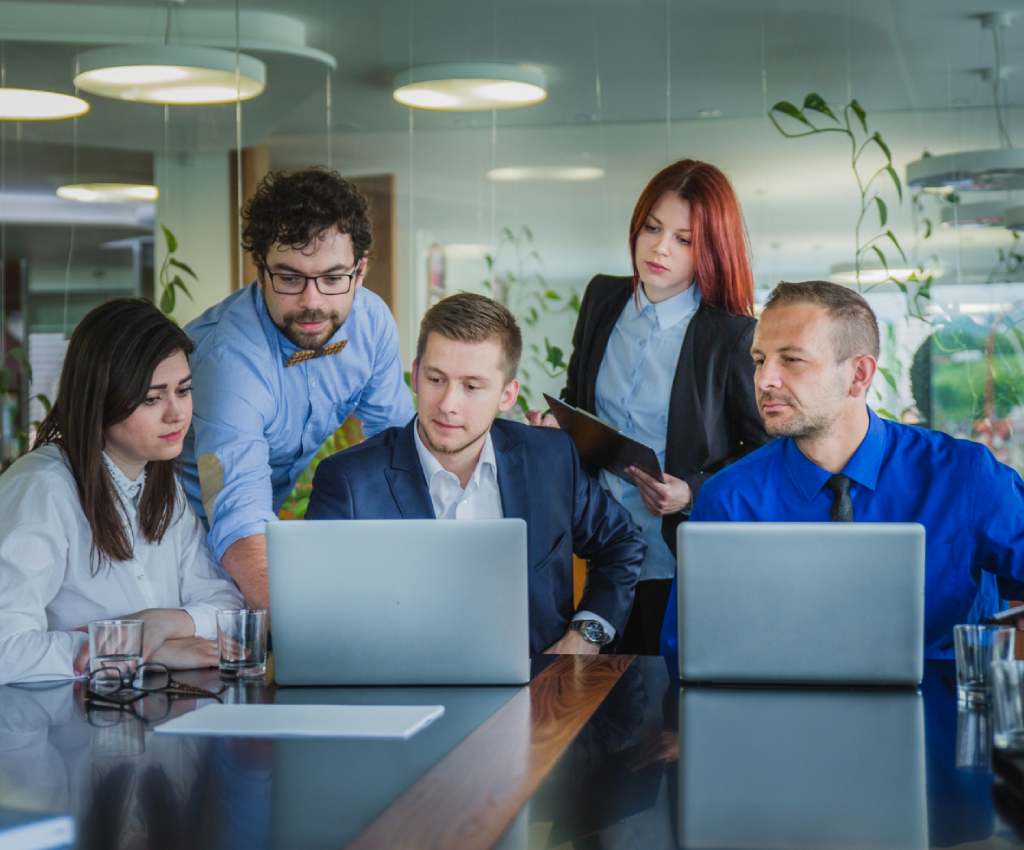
x=718, y=236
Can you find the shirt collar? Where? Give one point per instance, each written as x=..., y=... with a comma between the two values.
x=431, y=465
x=862, y=467
x=129, y=490
x=672, y=310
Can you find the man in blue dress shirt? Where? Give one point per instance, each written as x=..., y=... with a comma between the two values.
x=815, y=353
x=280, y=364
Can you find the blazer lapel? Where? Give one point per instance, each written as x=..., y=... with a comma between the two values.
x=604, y=324
x=512, y=478
x=685, y=410
x=405, y=478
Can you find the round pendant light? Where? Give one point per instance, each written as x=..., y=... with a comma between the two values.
x=170, y=74
x=974, y=215
x=1000, y=169
x=109, y=193
x=39, y=105
x=470, y=87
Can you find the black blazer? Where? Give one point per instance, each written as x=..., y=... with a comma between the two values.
x=712, y=414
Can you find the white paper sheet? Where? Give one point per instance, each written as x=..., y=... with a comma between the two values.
x=305, y=721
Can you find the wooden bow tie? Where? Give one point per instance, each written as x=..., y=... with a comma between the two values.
x=303, y=356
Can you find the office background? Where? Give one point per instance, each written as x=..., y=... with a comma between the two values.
x=529, y=203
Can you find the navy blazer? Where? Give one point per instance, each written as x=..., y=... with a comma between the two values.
x=541, y=481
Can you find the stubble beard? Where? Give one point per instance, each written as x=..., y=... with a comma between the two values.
x=444, y=450
x=311, y=341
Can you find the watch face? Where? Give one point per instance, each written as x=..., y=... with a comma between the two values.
x=593, y=632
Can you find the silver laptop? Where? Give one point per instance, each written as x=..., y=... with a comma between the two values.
x=399, y=602
x=812, y=603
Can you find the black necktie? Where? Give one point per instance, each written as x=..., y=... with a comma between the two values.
x=842, y=507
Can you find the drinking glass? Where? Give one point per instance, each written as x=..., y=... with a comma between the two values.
x=1008, y=704
x=977, y=646
x=117, y=644
x=242, y=637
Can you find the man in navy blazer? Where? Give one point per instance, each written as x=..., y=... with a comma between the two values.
x=455, y=460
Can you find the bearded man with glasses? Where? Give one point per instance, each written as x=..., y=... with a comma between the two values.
x=280, y=364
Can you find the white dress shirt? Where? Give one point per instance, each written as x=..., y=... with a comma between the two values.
x=633, y=392
x=47, y=589
x=481, y=498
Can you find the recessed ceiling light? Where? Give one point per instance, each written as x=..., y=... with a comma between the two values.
x=39, y=105
x=469, y=87
x=529, y=173
x=873, y=273
x=109, y=193
x=171, y=74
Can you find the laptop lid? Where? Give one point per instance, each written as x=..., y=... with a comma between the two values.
x=399, y=602
x=816, y=603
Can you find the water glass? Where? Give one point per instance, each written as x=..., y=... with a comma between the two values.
x=1008, y=704
x=973, y=737
x=242, y=637
x=115, y=643
x=977, y=646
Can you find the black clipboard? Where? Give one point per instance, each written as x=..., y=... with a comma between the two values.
x=600, y=445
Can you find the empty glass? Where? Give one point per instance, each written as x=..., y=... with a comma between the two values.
x=1008, y=704
x=977, y=647
x=117, y=644
x=242, y=637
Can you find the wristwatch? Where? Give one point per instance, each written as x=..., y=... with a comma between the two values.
x=592, y=631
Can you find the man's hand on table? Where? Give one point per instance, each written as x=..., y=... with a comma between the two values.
x=572, y=643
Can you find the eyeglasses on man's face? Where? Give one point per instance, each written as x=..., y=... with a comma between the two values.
x=293, y=283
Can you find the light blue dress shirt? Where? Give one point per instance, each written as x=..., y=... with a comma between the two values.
x=257, y=423
x=634, y=386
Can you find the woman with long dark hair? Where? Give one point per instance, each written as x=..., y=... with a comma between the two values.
x=664, y=356
x=93, y=523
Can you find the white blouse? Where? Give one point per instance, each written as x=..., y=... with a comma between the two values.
x=47, y=591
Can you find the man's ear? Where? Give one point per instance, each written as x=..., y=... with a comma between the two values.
x=413, y=376
x=509, y=394
x=864, y=368
x=361, y=268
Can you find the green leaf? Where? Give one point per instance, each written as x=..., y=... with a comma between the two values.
x=167, y=301
x=896, y=181
x=952, y=198
x=179, y=264
x=787, y=108
x=927, y=224
x=860, y=113
x=172, y=242
x=896, y=242
x=555, y=356
x=881, y=257
x=574, y=302
x=890, y=379
x=527, y=233
x=551, y=295
x=525, y=373
x=507, y=235
x=877, y=139
x=44, y=401
x=489, y=259
x=524, y=405
x=885, y=414
x=532, y=316
x=817, y=103
x=883, y=213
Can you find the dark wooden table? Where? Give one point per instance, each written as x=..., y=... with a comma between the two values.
x=595, y=753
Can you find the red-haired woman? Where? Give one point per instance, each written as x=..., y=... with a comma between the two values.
x=664, y=356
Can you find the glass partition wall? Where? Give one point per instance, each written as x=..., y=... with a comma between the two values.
x=872, y=144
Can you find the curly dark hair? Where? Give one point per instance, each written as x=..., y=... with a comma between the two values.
x=294, y=208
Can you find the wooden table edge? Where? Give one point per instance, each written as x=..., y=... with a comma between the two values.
x=469, y=798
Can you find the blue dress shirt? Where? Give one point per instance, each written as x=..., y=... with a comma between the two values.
x=972, y=508
x=257, y=423
x=634, y=386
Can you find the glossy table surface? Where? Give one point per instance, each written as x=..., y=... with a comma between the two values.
x=595, y=753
